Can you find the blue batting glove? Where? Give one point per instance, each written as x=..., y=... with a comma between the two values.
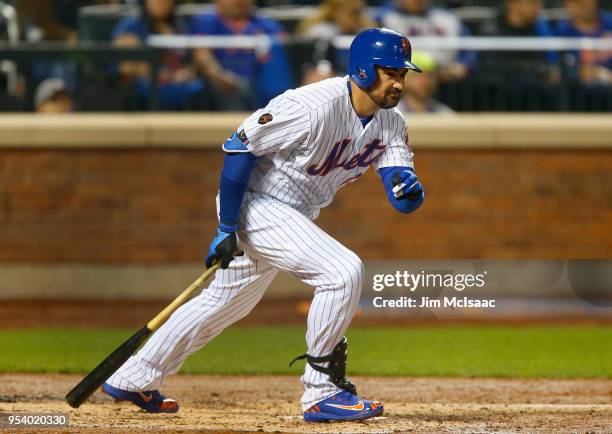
x=223, y=248
x=406, y=185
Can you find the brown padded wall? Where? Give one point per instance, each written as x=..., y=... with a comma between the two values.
x=157, y=206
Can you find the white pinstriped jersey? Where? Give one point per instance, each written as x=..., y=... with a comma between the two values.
x=310, y=143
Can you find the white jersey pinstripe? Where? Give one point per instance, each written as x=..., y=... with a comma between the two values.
x=310, y=143
x=313, y=144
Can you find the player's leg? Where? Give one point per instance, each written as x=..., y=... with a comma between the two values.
x=291, y=242
x=231, y=296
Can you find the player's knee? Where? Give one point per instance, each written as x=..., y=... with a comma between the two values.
x=351, y=273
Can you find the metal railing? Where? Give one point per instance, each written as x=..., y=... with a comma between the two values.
x=27, y=54
x=498, y=43
x=259, y=43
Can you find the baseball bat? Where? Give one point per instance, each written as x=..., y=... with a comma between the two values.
x=108, y=366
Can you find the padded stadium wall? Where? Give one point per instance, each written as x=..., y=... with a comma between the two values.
x=124, y=205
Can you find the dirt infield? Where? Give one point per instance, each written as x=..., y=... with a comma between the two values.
x=271, y=404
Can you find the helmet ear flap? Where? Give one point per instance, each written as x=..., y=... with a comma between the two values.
x=365, y=75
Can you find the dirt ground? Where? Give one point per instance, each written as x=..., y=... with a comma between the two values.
x=271, y=404
x=224, y=404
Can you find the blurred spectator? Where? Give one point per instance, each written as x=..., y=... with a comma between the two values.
x=520, y=18
x=45, y=20
x=179, y=87
x=8, y=102
x=333, y=18
x=420, y=88
x=4, y=36
x=322, y=71
x=52, y=20
x=587, y=20
x=336, y=17
x=518, y=80
x=52, y=96
x=418, y=18
x=241, y=79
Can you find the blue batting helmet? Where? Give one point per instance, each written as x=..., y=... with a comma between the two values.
x=382, y=47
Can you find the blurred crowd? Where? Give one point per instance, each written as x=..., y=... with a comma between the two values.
x=301, y=52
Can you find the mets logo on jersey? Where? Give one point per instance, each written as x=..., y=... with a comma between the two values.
x=264, y=119
x=334, y=159
x=406, y=47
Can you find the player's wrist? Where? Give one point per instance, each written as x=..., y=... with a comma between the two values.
x=227, y=227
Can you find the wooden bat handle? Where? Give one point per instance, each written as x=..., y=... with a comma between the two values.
x=161, y=317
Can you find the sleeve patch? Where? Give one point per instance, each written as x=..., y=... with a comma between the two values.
x=265, y=118
x=243, y=137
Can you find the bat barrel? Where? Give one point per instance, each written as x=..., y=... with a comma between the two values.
x=88, y=385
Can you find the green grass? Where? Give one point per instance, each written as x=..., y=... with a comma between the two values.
x=558, y=352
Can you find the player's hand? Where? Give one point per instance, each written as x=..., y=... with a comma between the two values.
x=223, y=247
x=406, y=185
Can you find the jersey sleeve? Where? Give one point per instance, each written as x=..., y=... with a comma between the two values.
x=282, y=125
x=398, y=152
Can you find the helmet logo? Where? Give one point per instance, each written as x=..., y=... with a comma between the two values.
x=361, y=73
x=405, y=47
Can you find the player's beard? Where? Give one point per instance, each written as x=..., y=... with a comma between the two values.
x=389, y=100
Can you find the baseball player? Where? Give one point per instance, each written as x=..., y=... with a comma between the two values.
x=282, y=165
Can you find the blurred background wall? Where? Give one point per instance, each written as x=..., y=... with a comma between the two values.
x=510, y=123
x=115, y=205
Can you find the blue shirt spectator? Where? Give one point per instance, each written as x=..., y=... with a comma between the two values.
x=134, y=26
x=587, y=20
x=418, y=18
x=179, y=86
x=242, y=79
x=520, y=18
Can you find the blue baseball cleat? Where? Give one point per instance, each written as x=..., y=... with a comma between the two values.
x=153, y=402
x=343, y=406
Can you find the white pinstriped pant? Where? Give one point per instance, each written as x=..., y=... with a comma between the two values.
x=274, y=237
